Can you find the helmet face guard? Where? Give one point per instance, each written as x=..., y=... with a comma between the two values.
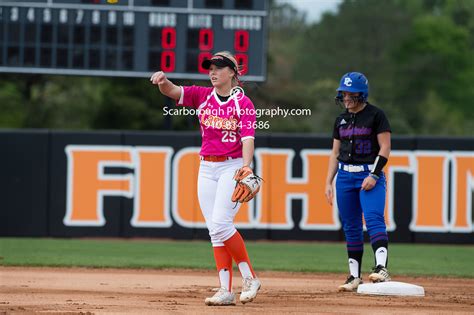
x=354, y=82
x=339, y=99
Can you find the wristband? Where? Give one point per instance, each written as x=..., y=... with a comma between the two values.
x=380, y=162
x=374, y=176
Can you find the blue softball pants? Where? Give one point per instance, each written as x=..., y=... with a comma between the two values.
x=353, y=202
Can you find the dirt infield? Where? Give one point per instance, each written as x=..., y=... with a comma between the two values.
x=82, y=291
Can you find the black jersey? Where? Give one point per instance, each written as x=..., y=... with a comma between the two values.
x=358, y=134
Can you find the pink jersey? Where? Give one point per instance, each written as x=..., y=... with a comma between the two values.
x=224, y=125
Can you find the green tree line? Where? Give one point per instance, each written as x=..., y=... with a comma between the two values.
x=418, y=56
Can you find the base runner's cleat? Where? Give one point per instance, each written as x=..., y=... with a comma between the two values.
x=379, y=274
x=351, y=284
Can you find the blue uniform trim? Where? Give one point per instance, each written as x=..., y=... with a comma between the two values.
x=355, y=246
x=378, y=236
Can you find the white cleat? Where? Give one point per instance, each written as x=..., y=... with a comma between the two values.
x=250, y=287
x=220, y=298
x=379, y=274
x=350, y=285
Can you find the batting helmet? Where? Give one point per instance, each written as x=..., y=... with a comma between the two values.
x=354, y=82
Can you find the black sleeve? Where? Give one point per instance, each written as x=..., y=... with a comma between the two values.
x=335, y=132
x=381, y=123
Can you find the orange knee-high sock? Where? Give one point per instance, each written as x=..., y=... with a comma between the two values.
x=236, y=247
x=223, y=261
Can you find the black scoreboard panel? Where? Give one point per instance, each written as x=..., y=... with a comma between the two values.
x=131, y=38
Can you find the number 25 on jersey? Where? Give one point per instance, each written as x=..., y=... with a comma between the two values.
x=228, y=136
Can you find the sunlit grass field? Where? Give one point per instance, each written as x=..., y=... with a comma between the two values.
x=404, y=259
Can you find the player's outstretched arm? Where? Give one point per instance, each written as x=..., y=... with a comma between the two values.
x=166, y=87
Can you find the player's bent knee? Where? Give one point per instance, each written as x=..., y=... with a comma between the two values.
x=217, y=243
x=222, y=232
x=212, y=234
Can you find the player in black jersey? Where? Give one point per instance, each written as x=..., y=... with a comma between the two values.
x=361, y=147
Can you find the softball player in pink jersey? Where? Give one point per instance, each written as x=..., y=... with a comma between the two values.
x=227, y=122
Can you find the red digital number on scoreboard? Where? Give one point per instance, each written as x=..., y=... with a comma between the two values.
x=203, y=56
x=168, y=61
x=206, y=39
x=206, y=43
x=168, y=38
x=241, y=46
x=168, y=41
x=241, y=41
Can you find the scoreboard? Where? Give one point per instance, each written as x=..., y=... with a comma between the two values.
x=131, y=38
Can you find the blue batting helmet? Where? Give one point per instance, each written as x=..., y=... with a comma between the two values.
x=354, y=82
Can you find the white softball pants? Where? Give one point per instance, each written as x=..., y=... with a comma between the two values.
x=215, y=188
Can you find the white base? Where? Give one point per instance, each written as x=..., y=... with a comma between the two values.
x=391, y=288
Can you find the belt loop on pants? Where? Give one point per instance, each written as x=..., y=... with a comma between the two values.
x=215, y=158
x=356, y=168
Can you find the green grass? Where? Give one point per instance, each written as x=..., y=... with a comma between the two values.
x=404, y=259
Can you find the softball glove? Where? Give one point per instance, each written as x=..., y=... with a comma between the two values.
x=247, y=185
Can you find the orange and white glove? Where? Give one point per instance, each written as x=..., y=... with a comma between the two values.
x=247, y=185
